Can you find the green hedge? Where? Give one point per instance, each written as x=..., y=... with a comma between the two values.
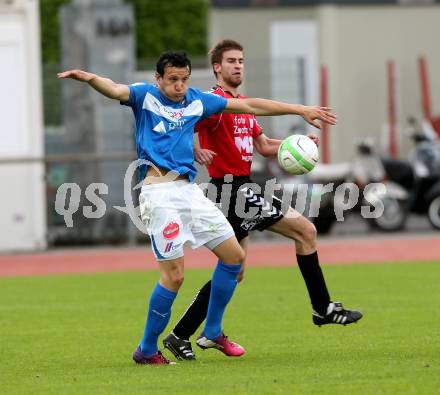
x=50, y=41
x=172, y=24
x=160, y=25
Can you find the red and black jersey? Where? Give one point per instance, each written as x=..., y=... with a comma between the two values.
x=231, y=137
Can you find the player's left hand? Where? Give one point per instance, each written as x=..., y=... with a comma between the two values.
x=314, y=113
x=204, y=156
x=315, y=138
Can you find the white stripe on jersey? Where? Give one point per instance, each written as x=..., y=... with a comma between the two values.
x=152, y=104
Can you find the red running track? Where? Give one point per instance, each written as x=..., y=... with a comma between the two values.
x=343, y=251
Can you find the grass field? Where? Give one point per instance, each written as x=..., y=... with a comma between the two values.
x=75, y=335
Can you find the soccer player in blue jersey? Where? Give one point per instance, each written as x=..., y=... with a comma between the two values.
x=174, y=209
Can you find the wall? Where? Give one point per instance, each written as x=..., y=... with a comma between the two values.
x=22, y=198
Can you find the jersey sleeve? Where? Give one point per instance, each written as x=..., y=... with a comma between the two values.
x=212, y=104
x=138, y=90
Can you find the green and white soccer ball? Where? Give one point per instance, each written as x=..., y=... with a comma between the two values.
x=298, y=154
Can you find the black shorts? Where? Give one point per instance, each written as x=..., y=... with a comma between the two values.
x=244, y=205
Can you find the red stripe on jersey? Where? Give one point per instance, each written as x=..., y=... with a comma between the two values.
x=231, y=137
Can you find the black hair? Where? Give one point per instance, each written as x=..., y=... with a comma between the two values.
x=172, y=59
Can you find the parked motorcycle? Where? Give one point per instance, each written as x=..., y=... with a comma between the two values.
x=369, y=167
x=412, y=186
x=420, y=176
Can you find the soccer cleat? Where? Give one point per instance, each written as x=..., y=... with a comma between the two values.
x=337, y=315
x=221, y=343
x=181, y=349
x=155, y=359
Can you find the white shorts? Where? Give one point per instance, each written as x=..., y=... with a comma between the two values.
x=178, y=213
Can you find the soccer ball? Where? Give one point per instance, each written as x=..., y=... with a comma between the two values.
x=298, y=154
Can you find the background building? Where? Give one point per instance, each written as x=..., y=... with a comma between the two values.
x=287, y=42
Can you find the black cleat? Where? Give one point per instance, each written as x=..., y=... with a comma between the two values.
x=180, y=348
x=337, y=316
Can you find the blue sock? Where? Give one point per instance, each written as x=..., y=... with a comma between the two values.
x=224, y=281
x=159, y=313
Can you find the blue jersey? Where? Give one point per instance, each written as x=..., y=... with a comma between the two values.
x=165, y=129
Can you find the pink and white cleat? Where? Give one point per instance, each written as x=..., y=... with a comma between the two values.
x=155, y=359
x=221, y=343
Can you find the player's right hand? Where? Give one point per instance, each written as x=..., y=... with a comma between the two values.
x=204, y=156
x=78, y=75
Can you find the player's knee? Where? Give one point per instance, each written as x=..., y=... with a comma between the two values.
x=234, y=256
x=177, y=280
x=173, y=279
x=309, y=233
x=303, y=231
x=240, y=255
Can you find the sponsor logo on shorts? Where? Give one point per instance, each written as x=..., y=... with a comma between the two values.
x=171, y=246
x=171, y=231
x=251, y=223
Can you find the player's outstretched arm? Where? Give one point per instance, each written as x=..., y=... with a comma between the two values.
x=105, y=86
x=265, y=146
x=270, y=107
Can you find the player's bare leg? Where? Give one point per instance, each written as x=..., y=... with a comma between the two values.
x=172, y=273
x=230, y=251
x=303, y=232
x=244, y=243
x=298, y=228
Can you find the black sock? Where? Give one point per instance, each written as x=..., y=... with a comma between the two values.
x=315, y=283
x=195, y=314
